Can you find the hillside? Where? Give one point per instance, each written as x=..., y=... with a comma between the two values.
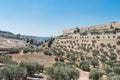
x=11, y=35
x=93, y=48
x=90, y=36
x=12, y=43
x=85, y=53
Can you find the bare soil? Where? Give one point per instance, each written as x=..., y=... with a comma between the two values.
x=40, y=58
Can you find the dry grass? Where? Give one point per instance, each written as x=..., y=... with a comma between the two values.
x=35, y=57
x=11, y=43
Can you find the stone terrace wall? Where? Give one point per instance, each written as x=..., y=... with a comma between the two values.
x=76, y=41
x=94, y=27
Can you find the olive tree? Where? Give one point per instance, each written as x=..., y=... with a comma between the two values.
x=32, y=67
x=84, y=65
x=61, y=71
x=94, y=62
x=11, y=72
x=95, y=74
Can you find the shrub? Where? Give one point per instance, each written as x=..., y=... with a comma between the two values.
x=32, y=67
x=77, y=30
x=84, y=33
x=13, y=72
x=117, y=70
x=95, y=74
x=72, y=57
x=108, y=70
x=116, y=77
x=103, y=58
x=46, y=52
x=118, y=42
x=97, y=37
x=82, y=57
x=62, y=59
x=7, y=60
x=28, y=50
x=109, y=45
x=110, y=62
x=56, y=59
x=84, y=65
x=118, y=52
x=95, y=52
x=113, y=56
x=94, y=62
x=61, y=71
x=13, y=51
x=102, y=45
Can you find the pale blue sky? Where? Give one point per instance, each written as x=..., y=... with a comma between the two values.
x=50, y=17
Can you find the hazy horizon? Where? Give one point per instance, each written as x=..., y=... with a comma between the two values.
x=50, y=17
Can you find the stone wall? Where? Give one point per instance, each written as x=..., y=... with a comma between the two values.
x=94, y=27
x=75, y=41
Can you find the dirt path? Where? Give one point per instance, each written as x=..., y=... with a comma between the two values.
x=84, y=75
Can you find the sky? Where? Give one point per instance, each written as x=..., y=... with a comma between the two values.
x=50, y=17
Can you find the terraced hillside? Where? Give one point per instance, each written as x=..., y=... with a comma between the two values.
x=91, y=49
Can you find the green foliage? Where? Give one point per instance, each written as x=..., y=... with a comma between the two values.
x=10, y=50
x=7, y=60
x=77, y=30
x=94, y=62
x=110, y=62
x=29, y=41
x=61, y=71
x=62, y=59
x=13, y=72
x=111, y=50
x=108, y=70
x=109, y=45
x=113, y=56
x=95, y=74
x=84, y=65
x=25, y=50
x=84, y=33
x=56, y=59
x=13, y=51
x=82, y=57
x=103, y=58
x=94, y=41
x=50, y=41
x=32, y=67
x=115, y=77
x=59, y=52
x=117, y=29
x=97, y=37
x=118, y=51
x=47, y=52
x=117, y=69
x=118, y=42
x=72, y=57
x=94, y=32
x=95, y=52
x=102, y=45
